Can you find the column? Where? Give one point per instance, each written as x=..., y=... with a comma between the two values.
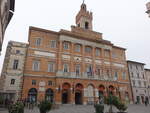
x=83, y=64
x=72, y=60
x=59, y=55
x=59, y=72
x=93, y=62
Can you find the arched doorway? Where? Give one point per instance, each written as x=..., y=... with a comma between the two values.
x=32, y=95
x=49, y=95
x=101, y=94
x=111, y=90
x=78, y=93
x=65, y=93
x=90, y=94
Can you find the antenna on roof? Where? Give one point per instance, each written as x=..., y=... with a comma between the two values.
x=83, y=1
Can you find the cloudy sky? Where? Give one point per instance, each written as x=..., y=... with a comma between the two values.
x=123, y=22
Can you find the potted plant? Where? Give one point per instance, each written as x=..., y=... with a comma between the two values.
x=45, y=106
x=16, y=108
x=121, y=107
x=99, y=108
x=112, y=101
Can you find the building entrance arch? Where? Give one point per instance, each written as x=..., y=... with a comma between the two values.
x=78, y=93
x=49, y=95
x=32, y=95
x=65, y=93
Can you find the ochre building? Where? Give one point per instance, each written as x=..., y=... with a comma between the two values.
x=74, y=67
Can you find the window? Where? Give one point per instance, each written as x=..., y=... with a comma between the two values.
x=33, y=82
x=15, y=64
x=17, y=51
x=66, y=68
x=143, y=75
x=77, y=48
x=139, y=82
x=114, y=55
x=144, y=84
x=130, y=66
x=12, y=81
x=132, y=75
x=124, y=75
x=88, y=49
x=77, y=70
x=53, y=43
x=116, y=75
x=89, y=70
x=136, y=67
x=107, y=53
x=38, y=41
x=107, y=72
x=50, y=83
x=138, y=76
x=78, y=25
x=98, y=71
x=51, y=67
x=36, y=66
x=86, y=25
x=133, y=81
x=66, y=45
x=97, y=52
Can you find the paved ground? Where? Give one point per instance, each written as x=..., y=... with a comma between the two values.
x=86, y=109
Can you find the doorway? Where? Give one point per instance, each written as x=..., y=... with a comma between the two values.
x=78, y=98
x=65, y=97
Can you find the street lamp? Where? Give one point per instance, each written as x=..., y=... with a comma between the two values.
x=148, y=8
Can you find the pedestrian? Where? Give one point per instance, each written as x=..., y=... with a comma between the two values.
x=145, y=102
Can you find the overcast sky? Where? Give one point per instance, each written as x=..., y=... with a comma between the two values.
x=123, y=22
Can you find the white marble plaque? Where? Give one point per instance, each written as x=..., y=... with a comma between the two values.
x=41, y=89
x=48, y=54
x=66, y=57
x=98, y=61
x=119, y=65
x=42, y=83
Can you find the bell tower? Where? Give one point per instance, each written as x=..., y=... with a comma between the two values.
x=84, y=18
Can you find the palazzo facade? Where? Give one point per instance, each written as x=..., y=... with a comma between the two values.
x=74, y=67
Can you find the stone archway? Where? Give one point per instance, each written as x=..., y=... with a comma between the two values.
x=65, y=93
x=32, y=95
x=79, y=94
x=49, y=95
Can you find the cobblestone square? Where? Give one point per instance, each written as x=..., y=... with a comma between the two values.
x=87, y=109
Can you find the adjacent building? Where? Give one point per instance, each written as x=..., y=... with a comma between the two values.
x=6, y=13
x=138, y=81
x=147, y=74
x=148, y=8
x=12, y=72
x=76, y=67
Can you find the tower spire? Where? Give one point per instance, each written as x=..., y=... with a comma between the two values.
x=84, y=17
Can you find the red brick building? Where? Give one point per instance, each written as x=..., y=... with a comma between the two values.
x=77, y=66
